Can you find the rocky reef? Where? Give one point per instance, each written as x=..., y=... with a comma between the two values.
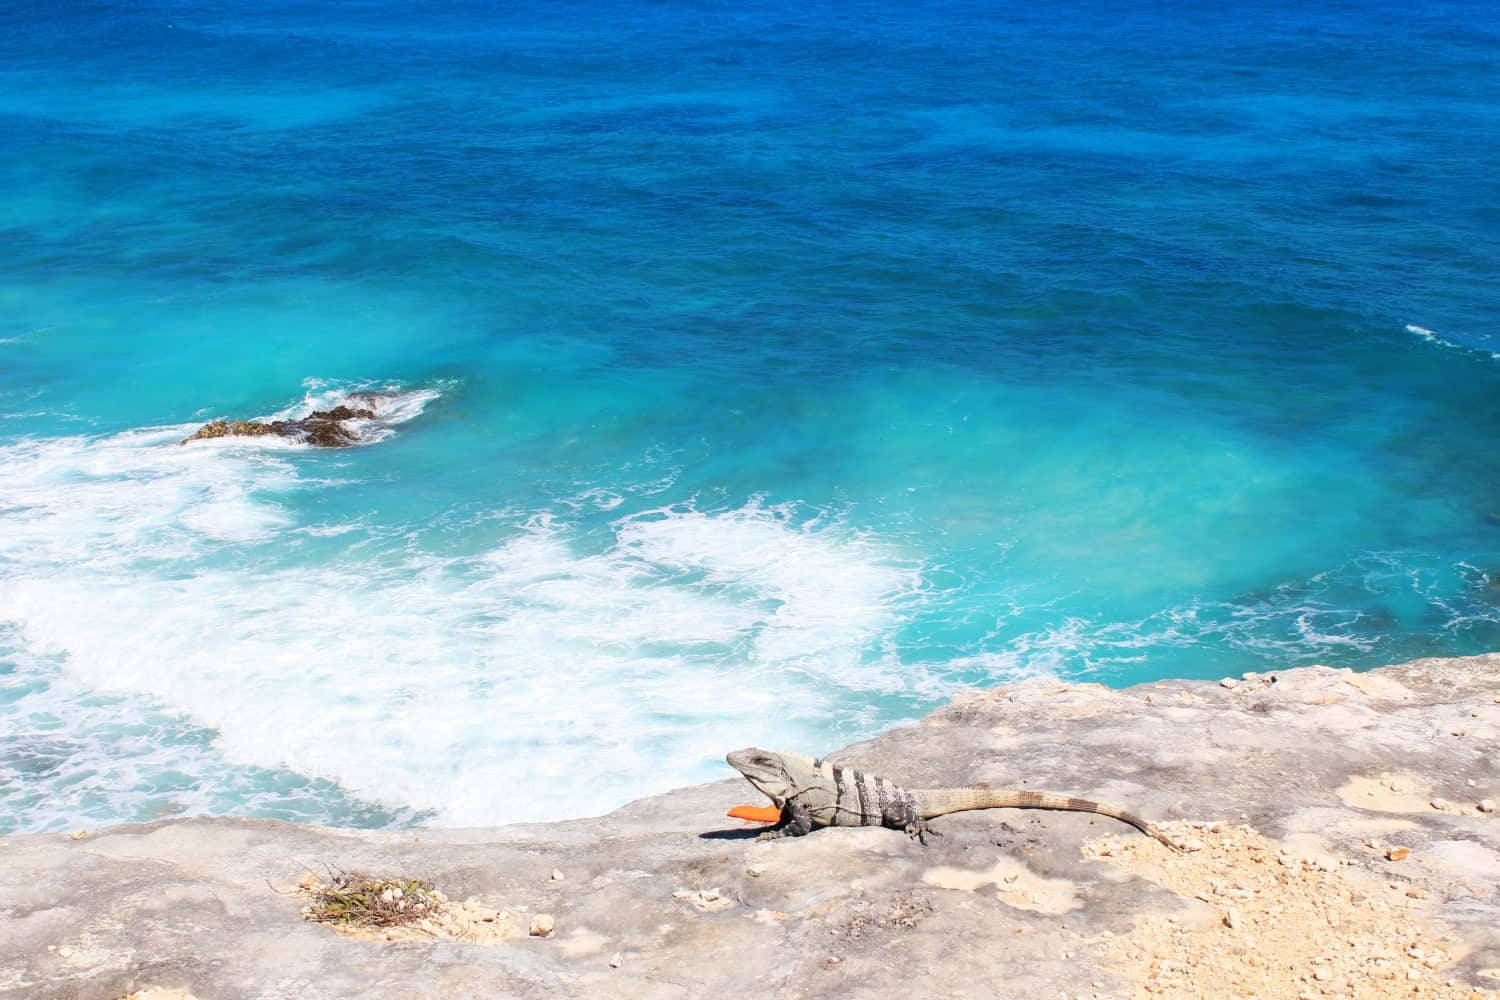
x=1339, y=832
x=331, y=428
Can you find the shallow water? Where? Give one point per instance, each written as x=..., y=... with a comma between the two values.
x=768, y=372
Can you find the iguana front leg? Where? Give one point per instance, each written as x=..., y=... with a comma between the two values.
x=796, y=821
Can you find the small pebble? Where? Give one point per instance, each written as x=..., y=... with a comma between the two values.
x=1232, y=918
x=557, y=875
x=79, y=834
x=542, y=925
x=617, y=961
x=1397, y=853
x=1229, y=682
x=1323, y=974
x=1487, y=806
x=1440, y=805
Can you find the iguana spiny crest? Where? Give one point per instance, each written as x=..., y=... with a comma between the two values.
x=812, y=792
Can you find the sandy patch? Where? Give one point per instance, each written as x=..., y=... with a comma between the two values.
x=1376, y=686
x=583, y=941
x=1289, y=926
x=1018, y=886
x=1465, y=859
x=470, y=921
x=1390, y=792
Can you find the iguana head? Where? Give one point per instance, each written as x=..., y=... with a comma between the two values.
x=765, y=770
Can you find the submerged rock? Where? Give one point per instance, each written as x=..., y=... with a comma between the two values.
x=321, y=428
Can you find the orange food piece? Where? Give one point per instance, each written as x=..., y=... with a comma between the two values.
x=757, y=814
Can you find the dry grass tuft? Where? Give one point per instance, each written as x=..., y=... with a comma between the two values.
x=353, y=899
x=368, y=908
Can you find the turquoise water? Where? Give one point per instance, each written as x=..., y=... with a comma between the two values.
x=762, y=374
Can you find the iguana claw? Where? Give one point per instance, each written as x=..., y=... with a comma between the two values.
x=919, y=831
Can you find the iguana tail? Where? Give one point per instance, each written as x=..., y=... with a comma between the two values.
x=941, y=801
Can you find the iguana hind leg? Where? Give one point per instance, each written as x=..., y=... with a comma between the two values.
x=900, y=813
x=919, y=830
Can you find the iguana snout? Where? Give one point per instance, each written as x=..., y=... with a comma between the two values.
x=764, y=770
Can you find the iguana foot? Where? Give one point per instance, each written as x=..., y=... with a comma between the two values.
x=919, y=830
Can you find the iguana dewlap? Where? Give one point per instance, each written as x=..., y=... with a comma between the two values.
x=813, y=793
x=757, y=814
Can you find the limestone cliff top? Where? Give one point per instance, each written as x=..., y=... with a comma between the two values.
x=1341, y=846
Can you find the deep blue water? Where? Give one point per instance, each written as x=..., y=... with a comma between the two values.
x=764, y=373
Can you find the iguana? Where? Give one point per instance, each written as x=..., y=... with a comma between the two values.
x=813, y=793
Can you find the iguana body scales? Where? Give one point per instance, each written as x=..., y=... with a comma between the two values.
x=812, y=793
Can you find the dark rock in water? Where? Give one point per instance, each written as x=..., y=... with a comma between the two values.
x=342, y=413
x=366, y=400
x=321, y=428
x=325, y=428
x=232, y=428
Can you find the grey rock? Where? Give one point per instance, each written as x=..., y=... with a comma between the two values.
x=209, y=905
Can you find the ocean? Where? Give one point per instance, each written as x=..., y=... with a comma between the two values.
x=755, y=373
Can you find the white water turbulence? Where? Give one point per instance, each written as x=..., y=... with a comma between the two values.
x=1433, y=337
x=160, y=659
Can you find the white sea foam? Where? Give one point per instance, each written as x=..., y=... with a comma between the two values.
x=1433, y=337
x=479, y=687
x=483, y=686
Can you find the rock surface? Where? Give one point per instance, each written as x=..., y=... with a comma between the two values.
x=1292, y=790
